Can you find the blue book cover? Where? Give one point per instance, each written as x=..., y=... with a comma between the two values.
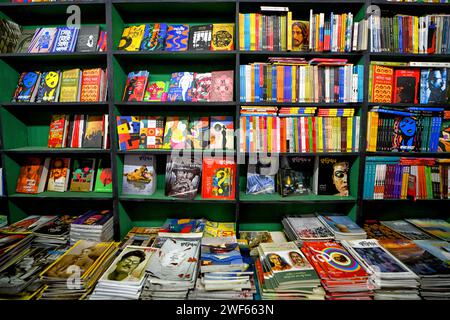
x=66, y=39
x=256, y=84
x=242, y=93
x=177, y=37
x=154, y=37
x=274, y=84
x=287, y=84
x=180, y=86
x=341, y=84
x=341, y=224
x=247, y=31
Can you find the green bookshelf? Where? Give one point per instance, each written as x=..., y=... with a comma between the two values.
x=24, y=127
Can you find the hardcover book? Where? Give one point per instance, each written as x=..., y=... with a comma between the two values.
x=222, y=86
x=333, y=176
x=83, y=174
x=182, y=177
x=42, y=41
x=139, y=174
x=70, y=85
x=131, y=38
x=128, y=130
x=222, y=36
x=201, y=87
x=33, y=175
x=49, y=86
x=222, y=133
x=93, y=133
x=218, y=179
x=58, y=131
x=198, y=133
x=406, y=85
x=59, y=174
x=175, y=133
x=103, y=181
x=180, y=86
x=135, y=86
x=66, y=39
x=200, y=37
x=156, y=91
x=87, y=39
x=434, y=85
x=154, y=37
x=25, y=40
x=27, y=87
x=295, y=176
x=151, y=132
x=177, y=37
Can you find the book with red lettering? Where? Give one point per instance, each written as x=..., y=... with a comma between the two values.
x=58, y=131
x=92, y=84
x=135, y=86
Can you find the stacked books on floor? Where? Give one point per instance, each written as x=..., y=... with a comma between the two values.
x=406, y=178
x=76, y=272
x=56, y=232
x=94, y=225
x=392, y=279
x=302, y=129
x=305, y=228
x=125, y=277
x=341, y=275
x=288, y=79
x=284, y=273
x=342, y=227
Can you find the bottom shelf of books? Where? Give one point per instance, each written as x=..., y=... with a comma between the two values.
x=315, y=256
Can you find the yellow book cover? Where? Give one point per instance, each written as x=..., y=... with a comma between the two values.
x=283, y=33
x=349, y=134
x=319, y=134
x=132, y=38
x=316, y=48
x=374, y=131
x=70, y=85
x=241, y=31
x=253, y=31
x=269, y=134
x=294, y=83
x=416, y=34
x=343, y=32
x=296, y=134
x=222, y=37
x=289, y=31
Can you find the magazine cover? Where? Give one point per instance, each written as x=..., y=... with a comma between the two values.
x=407, y=230
x=261, y=176
x=139, y=174
x=94, y=218
x=436, y=227
x=218, y=179
x=57, y=227
x=333, y=176
x=433, y=85
x=309, y=228
x=341, y=224
x=183, y=177
x=28, y=224
x=439, y=249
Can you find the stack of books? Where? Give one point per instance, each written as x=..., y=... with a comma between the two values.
x=55, y=232
x=392, y=279
x=305, y=228
x=342, y=277
x=342, y=227
x=94, y=225
x=125, y=277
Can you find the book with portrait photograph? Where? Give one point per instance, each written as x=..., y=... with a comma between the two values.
x=139, y=236
x=300, y=35
x=333, y=176
x=129, y=267
x=183, y=176
x=434, y=85
x=139, y=174
x=59, y=173
x=406, y=85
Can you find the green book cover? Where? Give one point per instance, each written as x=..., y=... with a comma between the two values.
x=103, y=181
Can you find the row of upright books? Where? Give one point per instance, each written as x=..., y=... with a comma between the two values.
x=54, y=174
x=412, y=129
x=177, y=37
x=295, y=130
x=298, y=80
x=406, y=178
x=427, y=34
x=74, y=85
x=182, y=86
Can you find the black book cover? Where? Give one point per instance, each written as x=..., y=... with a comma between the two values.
x=200, y=38
x=295, y=176
x=333, y=176
x=87, y=39
x=183, y=177
x=24, y=41
x=93, y=133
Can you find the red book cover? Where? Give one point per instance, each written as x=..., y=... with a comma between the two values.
x=218, y=179
x=382, y=84
x=56, y=131
x=406, y=85
x=90, y=85
x=257, y=23
x=31, y=173
x=314, y=136
x=222, y=85
x=305, y=120
x=135, y=86
x=283, y=134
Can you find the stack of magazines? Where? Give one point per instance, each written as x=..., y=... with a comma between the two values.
x=12, y=245
x=341, y=275
x=342, y=227
x=172, y=270
x=285, y=273
x=392, y=279
x=305, y=228
x=125, y=277
x=75, y=273
x=54, y=232
x=94, y=225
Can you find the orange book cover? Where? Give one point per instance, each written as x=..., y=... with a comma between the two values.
x=90, y=85
x=218, y=179
x=30, y=175
x=280, y=83
x=382, y=84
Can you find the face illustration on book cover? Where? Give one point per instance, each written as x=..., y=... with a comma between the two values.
x=130, y=265
x=26, y=85
x=175, y=133
x=51, y=80
x=182, y=177
x=333, y=177
x=404, y=137
x=300, y=35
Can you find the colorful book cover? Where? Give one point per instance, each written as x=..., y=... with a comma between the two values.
x=382, y=84
x=66, y=39
x=218, y=179
x=131, y=38
x=156, y=91
x=58, y=126
x=83, y=174
x=188, y=227
x=49, y=85
x=341, y=224
x=201, y=88
x=175, y=133
x=128, y=130
x=407, y=230
x=93, y=218
x=28, y=224
x=93, y=133
x=333, y=176
x=436, y=227
x=32, y=175
x=139, y=174
x=177, y=37
x=151, y=132
x=42, y=41
x=87, y=39
x=261, y=175
x=444, y=137
x=180, y=86
x=92, y=81
x=102, y=44
x=135, y=86
x=57, y=227
x=222, y=36
x=222, y=133
x=406, y=85
x=300, y=35
x=308, y=228
x=219, y=229
x=59, y=174
x=70, y=84
x=200, y=37
x=182, y=177
x=434, y=85
x=25, y=40
x=222, y=86
x=154, y=37
x=405, y=134
x=27, y=87
x=439, y=249
x=295, y=176
x=103, y=180
x=198, y=133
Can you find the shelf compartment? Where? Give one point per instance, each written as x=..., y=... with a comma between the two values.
x=44, y=150
x=65, y=195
